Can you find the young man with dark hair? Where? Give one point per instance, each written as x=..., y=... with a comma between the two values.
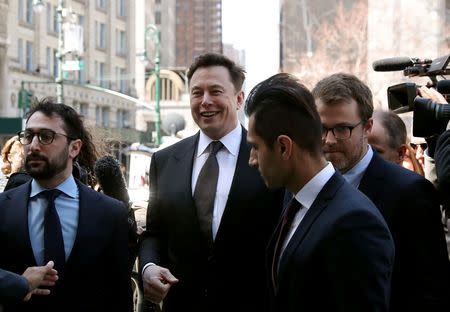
x=209, y=216
x=408, y=202
x=56, y=217
x=332, y=250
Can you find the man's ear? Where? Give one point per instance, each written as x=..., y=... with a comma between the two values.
x=284, y=146
x=368, y=127
x=240, y=99
x=401, y=152
x=74, y=148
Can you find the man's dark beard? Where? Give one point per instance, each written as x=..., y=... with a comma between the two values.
x=48, y=170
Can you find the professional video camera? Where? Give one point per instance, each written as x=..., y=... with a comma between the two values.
x=429, y=118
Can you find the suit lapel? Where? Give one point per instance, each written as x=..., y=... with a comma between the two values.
x=318, y=206
x=372, y=177
x=181, y=165
x=238, y=189
x=19, y=202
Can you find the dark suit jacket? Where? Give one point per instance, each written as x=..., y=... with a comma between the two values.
x=340, y=257
x=409, y=204
x=12, y=286
x=16, y=179
x=231, y=277
x=442, y=158
x=96, y=275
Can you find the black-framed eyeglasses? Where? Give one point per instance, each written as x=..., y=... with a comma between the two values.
x=45, y=136
x=340, y=132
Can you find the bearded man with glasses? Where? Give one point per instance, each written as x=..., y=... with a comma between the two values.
x=55, y=217
x=408, y=202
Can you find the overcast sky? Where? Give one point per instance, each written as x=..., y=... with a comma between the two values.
x=252, y=25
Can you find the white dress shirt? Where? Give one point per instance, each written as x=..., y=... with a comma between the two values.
x=306, y=197
x=354, y=175
x=227, y=159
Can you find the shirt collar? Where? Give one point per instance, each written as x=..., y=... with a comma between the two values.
x=354, y=175
x=232, y=141
x=68, y=187
x=307, y=195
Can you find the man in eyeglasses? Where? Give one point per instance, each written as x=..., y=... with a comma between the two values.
x=55, y=217
x=408, y=202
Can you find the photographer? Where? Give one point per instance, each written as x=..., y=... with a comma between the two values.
x=430, y=170
x=437, y=160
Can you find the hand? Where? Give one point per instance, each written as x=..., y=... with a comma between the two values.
x=431, y=93
x=40, y=276
x=157, y=282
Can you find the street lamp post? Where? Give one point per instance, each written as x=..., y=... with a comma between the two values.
x=59, y=78
x=153, y=30
x=38, y=5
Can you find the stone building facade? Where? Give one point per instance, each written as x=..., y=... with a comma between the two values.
x=104, y=91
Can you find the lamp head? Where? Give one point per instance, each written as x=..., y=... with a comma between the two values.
x=38, y=6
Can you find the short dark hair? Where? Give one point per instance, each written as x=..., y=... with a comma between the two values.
x=237, y=73
x=341, y=86
x=282, y=105
x=73, y=125
x=394, y=126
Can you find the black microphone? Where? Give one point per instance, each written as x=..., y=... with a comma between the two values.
x=392, y=64
x=111, y=180
x=443, y=86
x=398, y=63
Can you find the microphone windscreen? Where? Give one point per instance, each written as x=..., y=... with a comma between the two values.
x=111, y=179
x=443, y=86
x=392, y=64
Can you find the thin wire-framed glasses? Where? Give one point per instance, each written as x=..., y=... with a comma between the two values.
x=340, y=132
x=45, y=136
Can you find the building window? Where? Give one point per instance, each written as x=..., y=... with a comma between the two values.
x=118, y=118
x=97, y=116
x=20, y=53
x=29, y=52
x=122, y=119
x=20, y=12
x=122, y=42
x=48, y=53
x=122, y=80
x=105, y=116
x=121, y=8
x=30, y=11
x=102, y=74
x=49, y=17
x=100, y=35
x=83, y=109
x=157, y=17
x=96, y=69
x=55, y=20
x=81, y=20
x=125, y=121
x=157, y=1
x=101, y=4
